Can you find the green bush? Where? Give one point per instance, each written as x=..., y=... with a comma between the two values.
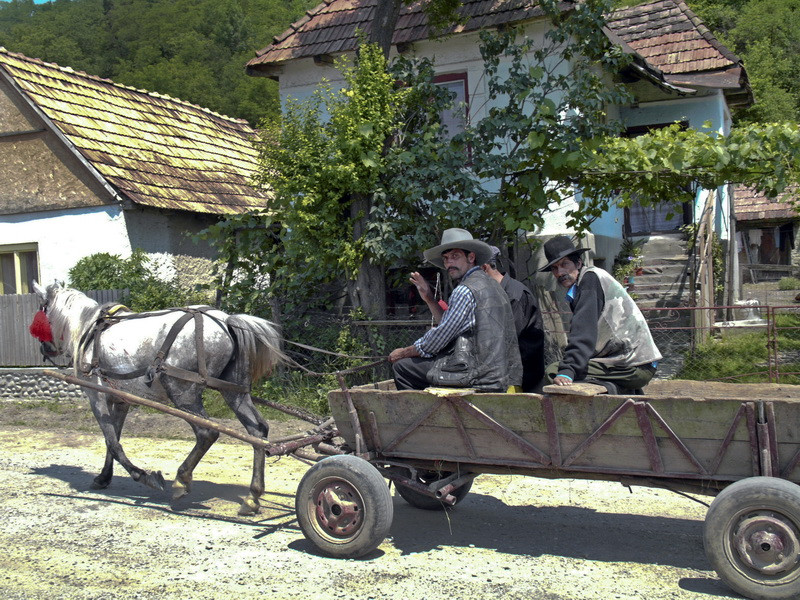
x=104, y=271
x=789, y=283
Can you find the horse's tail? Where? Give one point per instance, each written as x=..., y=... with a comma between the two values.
x=259, y=341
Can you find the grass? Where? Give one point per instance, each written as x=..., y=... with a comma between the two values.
x=743, y=358
x=291, y=388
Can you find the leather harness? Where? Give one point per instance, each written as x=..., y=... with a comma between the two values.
x=108, y=317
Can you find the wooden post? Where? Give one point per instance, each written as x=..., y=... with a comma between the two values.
x=704, y=319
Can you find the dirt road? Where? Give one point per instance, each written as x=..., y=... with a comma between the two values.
x=513, y=537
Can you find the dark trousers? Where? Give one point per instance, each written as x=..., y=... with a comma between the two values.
x=628, y=378
x=412, y=373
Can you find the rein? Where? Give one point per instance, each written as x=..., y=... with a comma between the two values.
x=108, y=317
x=376, y=360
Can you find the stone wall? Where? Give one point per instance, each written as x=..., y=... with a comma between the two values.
x=33, y=385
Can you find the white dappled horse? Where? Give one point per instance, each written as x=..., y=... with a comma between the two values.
x=169, y=355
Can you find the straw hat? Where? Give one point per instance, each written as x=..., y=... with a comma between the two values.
x=458, y=238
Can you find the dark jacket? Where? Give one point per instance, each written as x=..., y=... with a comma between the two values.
x=607, y=326
x=530, y=331
x=486, y=357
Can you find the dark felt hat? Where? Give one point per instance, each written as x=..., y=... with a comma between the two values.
x=557, y=248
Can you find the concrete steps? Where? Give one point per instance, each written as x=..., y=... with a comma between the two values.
x=663, y=279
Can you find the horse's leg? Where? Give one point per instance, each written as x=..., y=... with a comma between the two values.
x=189, y=397
x=242, y=405
x=117, y=412
x=111, y=418
x=204, y=439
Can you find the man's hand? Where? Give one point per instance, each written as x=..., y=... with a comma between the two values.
x=422, y=286
x=398, y=353
x=561, y=380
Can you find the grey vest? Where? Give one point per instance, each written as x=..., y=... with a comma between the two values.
x=623, y=337
x=486, y=357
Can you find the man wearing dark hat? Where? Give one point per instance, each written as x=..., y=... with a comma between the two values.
x=527, y=321
x=609, y=341
x=475, y=344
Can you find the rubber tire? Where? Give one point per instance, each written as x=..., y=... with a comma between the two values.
x=417, y=500
x=349, y=481
x=754, y=497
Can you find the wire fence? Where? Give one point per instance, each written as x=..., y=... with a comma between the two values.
x=760, y=343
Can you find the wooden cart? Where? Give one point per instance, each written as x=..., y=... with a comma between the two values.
x=738, y=442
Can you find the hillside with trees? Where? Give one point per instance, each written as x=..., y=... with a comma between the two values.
x=194, y=50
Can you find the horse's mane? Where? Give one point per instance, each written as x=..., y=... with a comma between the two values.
x=71, y=312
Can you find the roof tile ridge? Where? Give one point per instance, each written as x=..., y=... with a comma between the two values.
x=625, y=11
x=705, y=32
x=97, y=78
x=295, y=26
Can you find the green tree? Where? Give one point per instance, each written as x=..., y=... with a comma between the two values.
x=145, y=291
x=323, y=167
x=767, y=37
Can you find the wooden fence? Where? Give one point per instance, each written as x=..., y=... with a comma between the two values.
x=17, y=347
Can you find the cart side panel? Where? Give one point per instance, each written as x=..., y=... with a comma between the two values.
x=786, y=420
x=652, y=436
x=675, y=435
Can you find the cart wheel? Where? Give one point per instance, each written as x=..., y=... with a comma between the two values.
x=344, y=506
x=752, y=537
x=417, y=500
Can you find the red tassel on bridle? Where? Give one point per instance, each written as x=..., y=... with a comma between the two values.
x=40, y=327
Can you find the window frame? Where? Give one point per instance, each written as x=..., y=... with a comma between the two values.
x=22, y=278
x=462, y=77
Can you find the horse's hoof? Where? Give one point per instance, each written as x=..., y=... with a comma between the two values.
x=99, y=484
x=248, y=508
x=155, y=480
x=179, y=489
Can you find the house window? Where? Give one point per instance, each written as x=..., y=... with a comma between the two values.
x=455, y=118
x=655, y=218
x=19, y=266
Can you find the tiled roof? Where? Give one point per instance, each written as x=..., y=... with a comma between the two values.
x=155, y=150
x=331, y=27
x=749, y=205
x=671, y=37
x=665, y=33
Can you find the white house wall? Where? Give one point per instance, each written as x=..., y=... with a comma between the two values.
x=460, y=54
x=65, y=236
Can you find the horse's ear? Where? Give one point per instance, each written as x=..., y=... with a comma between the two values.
x=40, y=291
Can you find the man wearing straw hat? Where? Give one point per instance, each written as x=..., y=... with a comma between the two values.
x=475, y=344
x=609, y=342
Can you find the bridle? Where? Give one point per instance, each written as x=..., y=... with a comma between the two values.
x=48, y=348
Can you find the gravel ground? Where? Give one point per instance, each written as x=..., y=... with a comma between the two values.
x=513, y=537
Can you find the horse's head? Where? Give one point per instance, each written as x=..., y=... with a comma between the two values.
x=41, y=328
